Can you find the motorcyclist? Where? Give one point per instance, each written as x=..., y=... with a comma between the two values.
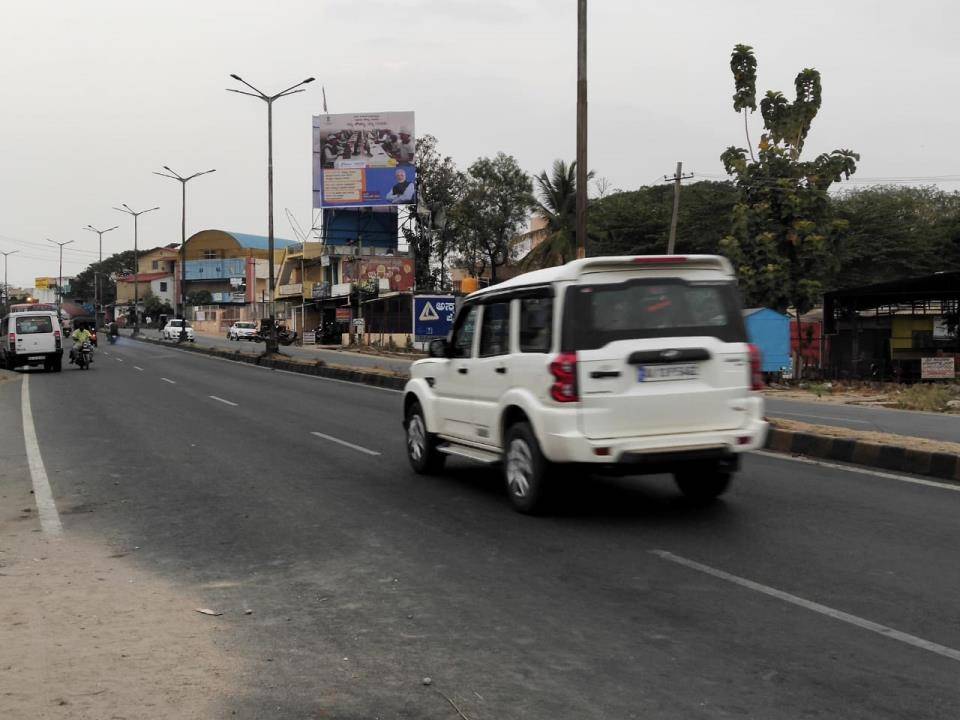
x=79, y=337
x=113, y=331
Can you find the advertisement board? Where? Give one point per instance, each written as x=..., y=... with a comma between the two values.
x=398, y=270
x=43, y=283
x=344, y=314
x=364, y=160
x=937, y=368
x=433, y=316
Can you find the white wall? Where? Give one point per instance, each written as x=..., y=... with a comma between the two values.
x=164, y=295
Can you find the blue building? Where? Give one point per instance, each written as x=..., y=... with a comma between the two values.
x=770, y=332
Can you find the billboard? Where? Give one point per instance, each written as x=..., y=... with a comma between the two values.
x=398, y=270
x=44, y=283
x=363, y=160
x=937, y=368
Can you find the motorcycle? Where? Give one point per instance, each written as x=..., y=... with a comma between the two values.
x=284, y=336
x=85, y=355
x=112, y=338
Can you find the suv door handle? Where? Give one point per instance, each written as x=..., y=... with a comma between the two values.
x=462, y=371
x=501, y=370
x=600, y=374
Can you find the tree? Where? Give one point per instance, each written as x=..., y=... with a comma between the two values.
x=430, y=236
x=556, y=202
x=83, y=286
x=199, y=297
x=496, y=201
x=154, y=306
x=783, y=240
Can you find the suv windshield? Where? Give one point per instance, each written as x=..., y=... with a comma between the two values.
x=595, y=315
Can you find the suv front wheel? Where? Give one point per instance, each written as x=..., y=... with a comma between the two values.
x=422, y=451
x=702, y=483
x=525, y=469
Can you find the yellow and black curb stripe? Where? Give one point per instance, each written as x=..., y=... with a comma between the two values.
x=944, y=466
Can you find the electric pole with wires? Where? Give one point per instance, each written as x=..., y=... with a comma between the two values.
x=675, y=179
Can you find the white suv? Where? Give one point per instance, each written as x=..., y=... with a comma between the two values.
x=242, y=330
x=173, y=328
x=623, y=364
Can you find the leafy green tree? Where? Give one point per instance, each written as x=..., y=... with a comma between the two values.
x=155, y=307
x=430, y=236
x=556, y=202
x=83, y=286
x=497, y=198
x=783, y=240
x=199, y=297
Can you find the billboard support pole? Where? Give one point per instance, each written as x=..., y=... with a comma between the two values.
x=59, y=275
x=581, y=128
x=6, y=286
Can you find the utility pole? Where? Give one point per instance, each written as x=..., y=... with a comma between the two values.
x=96, y=279
x=581, y=128
x=6, y=287
x=136, y=264
x=677, y=177
x=173, y=175
x=59, y=275
x=272, y=345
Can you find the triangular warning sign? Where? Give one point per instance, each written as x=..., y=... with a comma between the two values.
x=428, y=313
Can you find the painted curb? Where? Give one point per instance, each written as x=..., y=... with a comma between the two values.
x=943, y=466
x=319, y=369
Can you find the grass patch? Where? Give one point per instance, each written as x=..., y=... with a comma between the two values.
x=929, y=396
x=820, y=389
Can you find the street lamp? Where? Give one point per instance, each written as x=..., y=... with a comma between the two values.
x=99, y=301
x=59, y=274
x=271, y=346
x=6, y=287
x=173, y=175
x=136, y=263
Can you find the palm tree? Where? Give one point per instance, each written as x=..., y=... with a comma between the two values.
x=557, y=204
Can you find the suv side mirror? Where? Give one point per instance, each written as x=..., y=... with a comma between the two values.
x=438, y=348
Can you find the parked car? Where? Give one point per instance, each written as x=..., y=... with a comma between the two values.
x=242, y=330
x=31, y=338
x=627, y=365
x=173, y=328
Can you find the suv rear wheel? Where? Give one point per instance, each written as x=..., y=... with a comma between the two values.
x=525, y=469
x=703, y=483
x=422, y=451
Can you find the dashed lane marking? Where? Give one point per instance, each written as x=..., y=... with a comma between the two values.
x=172, y=382
x=220, y=399
x=338, y=441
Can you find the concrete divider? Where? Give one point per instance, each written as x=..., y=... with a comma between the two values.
x=943, y=466
x=317, y=368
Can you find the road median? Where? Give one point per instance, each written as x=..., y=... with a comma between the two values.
x=318, y=368
x=884, y=451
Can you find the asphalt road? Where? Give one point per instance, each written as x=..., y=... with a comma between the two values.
x=365, y=578
x=935, y=426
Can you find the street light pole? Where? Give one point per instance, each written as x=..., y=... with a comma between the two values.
x=6, y=287
x=59, y=274
x=124, y=208
x=99, y=296
x=272, y=345
x=173, y=175
x=581, y=128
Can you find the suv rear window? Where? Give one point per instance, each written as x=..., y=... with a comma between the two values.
x=34, y=324
x=595, y=315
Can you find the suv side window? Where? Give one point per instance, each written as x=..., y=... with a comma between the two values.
x=463, y=335
x=495, y=330
x=536, y=324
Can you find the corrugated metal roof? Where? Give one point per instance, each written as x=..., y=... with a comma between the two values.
x=259, y=242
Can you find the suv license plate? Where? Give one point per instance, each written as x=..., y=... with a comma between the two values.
x=676, y=371
x=35, y=357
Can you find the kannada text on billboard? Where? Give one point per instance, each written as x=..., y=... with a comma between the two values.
x=364, y=160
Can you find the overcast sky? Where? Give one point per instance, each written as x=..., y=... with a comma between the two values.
x=98, y=93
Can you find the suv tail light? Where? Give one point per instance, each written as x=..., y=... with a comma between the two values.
x=756, y=368
x=56, y=338
x=13, y=341
x=659, y=259
x=564, y=371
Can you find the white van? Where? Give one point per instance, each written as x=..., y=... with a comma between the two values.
x=622, y=364
x=31, y=338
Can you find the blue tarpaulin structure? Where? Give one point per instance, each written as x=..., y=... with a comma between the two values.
x=770, y=332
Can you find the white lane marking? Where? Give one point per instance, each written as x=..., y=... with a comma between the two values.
x=778, y=413
x=816, y=607
x=46, y=507
x=220, y=399
x=172, y=382
x=345, y=443
x=136, y=367
x=119, y=359
x=860, y=470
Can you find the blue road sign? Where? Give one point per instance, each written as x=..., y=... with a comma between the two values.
x=433, y=316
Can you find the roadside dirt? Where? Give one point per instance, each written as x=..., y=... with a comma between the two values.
x=906, y=441
x=86, y=635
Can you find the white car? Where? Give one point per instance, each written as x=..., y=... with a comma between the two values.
x=31, y=338
x=173, y=328
x=628, y=365
x=242, y=330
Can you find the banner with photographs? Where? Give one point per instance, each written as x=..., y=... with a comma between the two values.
x=364, y=160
